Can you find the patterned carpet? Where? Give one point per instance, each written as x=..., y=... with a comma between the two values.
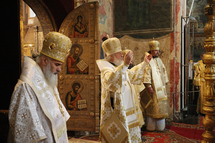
x=76, y=140
x=187, y=130
x=94, y=138
x=166, y=136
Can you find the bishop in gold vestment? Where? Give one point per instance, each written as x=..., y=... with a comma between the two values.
x=155, y=78
x=137, y=89
x=199, y=82
x=36, y=113
x=116, y=81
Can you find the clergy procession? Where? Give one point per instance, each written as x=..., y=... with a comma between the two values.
x=108, y=71
x=36, y=112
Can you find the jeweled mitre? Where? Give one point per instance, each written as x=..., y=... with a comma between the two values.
x=154, y=45
x=111, y=46
x=56, y=46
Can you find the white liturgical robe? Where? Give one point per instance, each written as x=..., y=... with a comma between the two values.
x=117, y=81
x=155, y=75
x=36, y=113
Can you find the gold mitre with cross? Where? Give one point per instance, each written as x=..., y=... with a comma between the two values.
x=56, y=46
x=154, y=45
x=111, y=46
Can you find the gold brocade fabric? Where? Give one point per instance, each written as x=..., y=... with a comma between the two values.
x=154, y=45
x=156, y=109
x=199, y=76
x=199, y=80
x=138, y=89
x=111, y=46
x=56, y=46
x=113, y=130
x=111, y=81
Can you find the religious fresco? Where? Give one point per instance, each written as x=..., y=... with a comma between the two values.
x=105, y=22
x=196, y=48
x=76, y=65
x=78, y=82
x=79, y=28
x=105, y=16
x=74, y=100
x=198, y=11
x=134, y=16
x=140, y=46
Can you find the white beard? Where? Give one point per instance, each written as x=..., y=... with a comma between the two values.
x=117, y=62
x=50, y=77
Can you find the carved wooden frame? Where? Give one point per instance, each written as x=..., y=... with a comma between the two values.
x=83, y=120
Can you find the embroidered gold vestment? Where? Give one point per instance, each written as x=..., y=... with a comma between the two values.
x=139, y=108
x=199, y=80
x=118, y=81
x=158, y=108
x=36, y=113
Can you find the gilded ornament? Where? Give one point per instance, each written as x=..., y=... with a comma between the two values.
x=61, y=77
x=91, y=77
x=91, y=41
x=91, y=6
x=52, y=46
x=209, y=60
x=91, y=114
x=56, y=46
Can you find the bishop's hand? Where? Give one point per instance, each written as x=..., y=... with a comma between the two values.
x=128, y=58
x=147, y=57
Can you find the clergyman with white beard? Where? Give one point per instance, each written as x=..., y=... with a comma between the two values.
x=36, y=113
x=116, y=81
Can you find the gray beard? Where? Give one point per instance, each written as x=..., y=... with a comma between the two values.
x=117, y=62
x=51, y=78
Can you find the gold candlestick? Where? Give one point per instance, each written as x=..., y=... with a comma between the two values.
x=209, y=60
